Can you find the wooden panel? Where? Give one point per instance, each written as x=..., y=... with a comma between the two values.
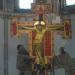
x=13, y=29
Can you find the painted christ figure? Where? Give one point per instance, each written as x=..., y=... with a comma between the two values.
x=38, y=49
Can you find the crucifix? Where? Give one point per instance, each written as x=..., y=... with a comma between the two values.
x=40, y=29
x=42, y=53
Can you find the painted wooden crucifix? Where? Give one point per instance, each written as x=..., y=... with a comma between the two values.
x=42, y=36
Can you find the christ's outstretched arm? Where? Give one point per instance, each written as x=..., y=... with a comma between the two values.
x=26, y=28
x=55, y=27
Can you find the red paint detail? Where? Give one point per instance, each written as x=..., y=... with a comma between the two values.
x=14, y=28
x=47, y=43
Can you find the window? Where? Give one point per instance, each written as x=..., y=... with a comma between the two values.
x=70, y=2
x=25, y=4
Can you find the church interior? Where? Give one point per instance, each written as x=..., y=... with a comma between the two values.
x=37, y=37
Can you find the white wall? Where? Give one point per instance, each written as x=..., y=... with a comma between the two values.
x=1, y=47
